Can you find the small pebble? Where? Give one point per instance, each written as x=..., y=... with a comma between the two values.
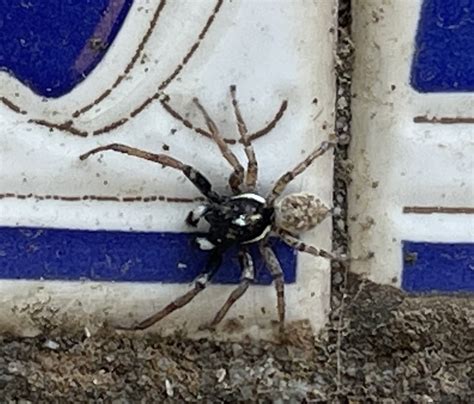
x=220, y=375
x=337, y=278
x=15, y=367
x=237, y=350
x=343, y=139
x=351, y=372
x=51, y=345
x=169, y=388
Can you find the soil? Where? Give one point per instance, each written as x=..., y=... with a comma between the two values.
x=388, y=348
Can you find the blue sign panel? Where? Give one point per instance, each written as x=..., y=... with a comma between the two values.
x=438, y=267
x=444, y=48
x=52, y=45
x=55, y=254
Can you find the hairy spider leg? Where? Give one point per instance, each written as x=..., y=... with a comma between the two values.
x=201, y=182
x=298, y=245
x=248, y=276
x=261, y=132
x=213, y=264
x=252, y=166
x=289, y=176
x=176, y=115
x=274, y=267
x=237, y=176
x=270, y=125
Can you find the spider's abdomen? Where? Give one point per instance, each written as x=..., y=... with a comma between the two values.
x=241, y=219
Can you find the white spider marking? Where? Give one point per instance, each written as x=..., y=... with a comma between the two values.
x=244, y=220
x=203, y=280
x=249, y=195
x=240, y=221
x=249, y=271
x=260, y=236
x=198, y=213
x=204, y=244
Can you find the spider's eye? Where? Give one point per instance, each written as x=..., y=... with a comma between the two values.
x=300, y=212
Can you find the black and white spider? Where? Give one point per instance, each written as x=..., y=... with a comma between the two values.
x=241, y=219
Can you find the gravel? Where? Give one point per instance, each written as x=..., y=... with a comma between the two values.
x=388, y=348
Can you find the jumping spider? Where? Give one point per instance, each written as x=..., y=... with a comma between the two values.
x=241, y=219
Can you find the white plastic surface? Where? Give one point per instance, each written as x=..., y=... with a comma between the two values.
x=400, y=163
x=272, y=50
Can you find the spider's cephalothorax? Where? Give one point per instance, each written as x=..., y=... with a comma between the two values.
x=243, y=218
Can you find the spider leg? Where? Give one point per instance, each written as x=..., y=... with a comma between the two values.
x=248, y=276
x=252, y=166
x=286, y=178
x=201, y=182
x=237, y=176
x=195, y=215
x=213, y=264
x=298, y=245
x=176, y=115
x=272, y=123
x=262, y=132
x=274, y=267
